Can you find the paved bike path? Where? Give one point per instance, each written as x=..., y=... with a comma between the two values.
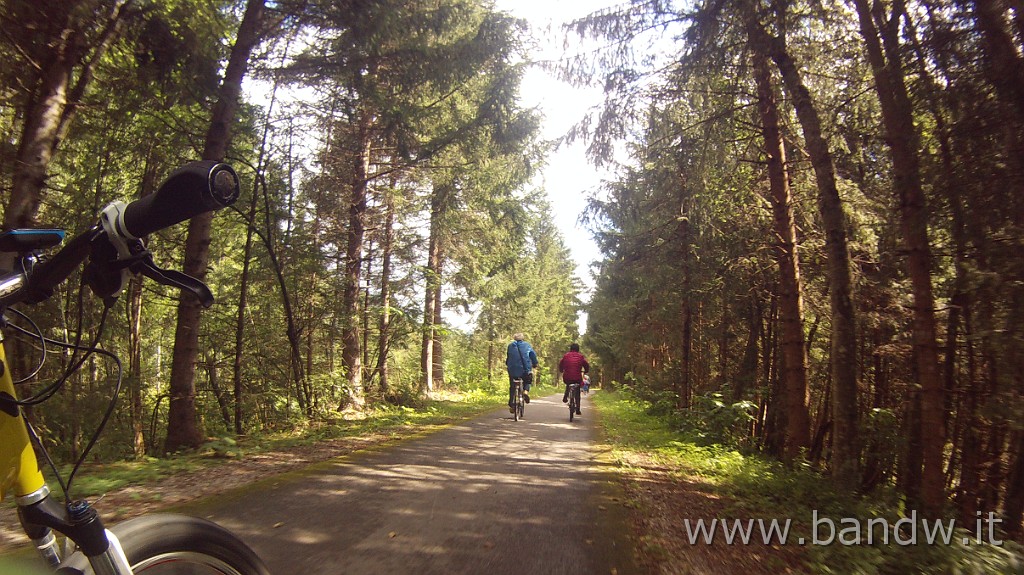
x=489, y=496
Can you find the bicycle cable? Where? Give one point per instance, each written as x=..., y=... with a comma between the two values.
x=51, y=389
x=37, y=335
x=73, y=364
x=46, y=455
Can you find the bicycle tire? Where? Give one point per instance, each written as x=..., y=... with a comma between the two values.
x=179, y=544
x=515, y=406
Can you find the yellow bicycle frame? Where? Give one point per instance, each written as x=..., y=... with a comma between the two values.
x=19, y=468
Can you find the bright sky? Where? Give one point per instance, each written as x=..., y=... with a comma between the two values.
x=568, y=178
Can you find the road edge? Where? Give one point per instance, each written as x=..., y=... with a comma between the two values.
x=613, y=536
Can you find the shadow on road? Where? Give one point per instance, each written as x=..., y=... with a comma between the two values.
x=489, y=496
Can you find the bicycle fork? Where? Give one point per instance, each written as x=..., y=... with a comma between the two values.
x=40, y=516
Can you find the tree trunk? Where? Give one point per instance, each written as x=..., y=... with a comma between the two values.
x=61, y=84
x=149, y=183
x=183, y=431
x=775, y=417
x=352, y=354
x=843, y=360
x=1004, y=66
x=897, y=116
x=368, y=378
x=768, y=354
x=1013, y=507
x=212, y=373
x=684, y=377
x=1004, y=62
x=384, y=337
x=238, y=387
x=437, y=357
x=1013, y=504
x=790, y=303
x=243, y=304
x=438, y=202
x=747, y=374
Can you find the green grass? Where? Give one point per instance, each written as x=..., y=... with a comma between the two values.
x=759, y=487
x=96, y=478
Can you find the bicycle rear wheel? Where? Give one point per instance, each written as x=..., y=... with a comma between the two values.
x=167, y=544
x=518, y=402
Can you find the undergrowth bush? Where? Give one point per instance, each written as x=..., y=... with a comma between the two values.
x=713, y=419
x=755, y=486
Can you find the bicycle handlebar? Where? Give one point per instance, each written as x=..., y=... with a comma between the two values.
x=49, y=274
x=195, y=188
x=192, y=189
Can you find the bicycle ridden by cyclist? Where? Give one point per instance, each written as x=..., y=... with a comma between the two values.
x=573, y=367
x=520, y=360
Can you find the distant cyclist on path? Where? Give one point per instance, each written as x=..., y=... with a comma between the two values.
x=573, y=366
x=520, y=361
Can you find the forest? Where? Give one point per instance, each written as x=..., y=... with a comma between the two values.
x=810, y=236
x=383, y=158
x=812, y=242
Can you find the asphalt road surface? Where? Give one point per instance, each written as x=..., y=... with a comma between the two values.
x=489, y=496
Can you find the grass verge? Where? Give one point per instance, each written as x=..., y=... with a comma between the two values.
x=441, y=410
x=675, y=480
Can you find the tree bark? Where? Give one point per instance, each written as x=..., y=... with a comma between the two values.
x=62, y=80
x=747, y=374
x=149, y=183
x=437, y=357
x=183, y=431
x=438, y=203
x=212, y=372
x=243, y=304
x=352, y=354
x=883, y=48
x=1004, y=66
x=798, y=423
x=684, y=378
x=1004, y=62
x=843, y=360
x=384, y=337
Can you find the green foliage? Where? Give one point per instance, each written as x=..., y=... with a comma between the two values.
x=465, y=367
x=222, y=447
x=754, y=486
x=713, y=419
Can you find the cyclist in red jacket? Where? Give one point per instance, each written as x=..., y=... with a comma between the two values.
x=572, y=367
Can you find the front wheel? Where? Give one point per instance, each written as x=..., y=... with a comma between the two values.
x=167, y=544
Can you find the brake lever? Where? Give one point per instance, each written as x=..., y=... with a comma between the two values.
x=107, y=273
x=174, y=278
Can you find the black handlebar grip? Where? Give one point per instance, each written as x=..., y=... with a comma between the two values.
x=193, y=189
x=49, y=274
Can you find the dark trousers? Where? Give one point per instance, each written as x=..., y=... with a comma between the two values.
x=575, y=393
x=527, y=382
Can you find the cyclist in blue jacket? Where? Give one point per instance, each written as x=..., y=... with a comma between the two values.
x=520, y=361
